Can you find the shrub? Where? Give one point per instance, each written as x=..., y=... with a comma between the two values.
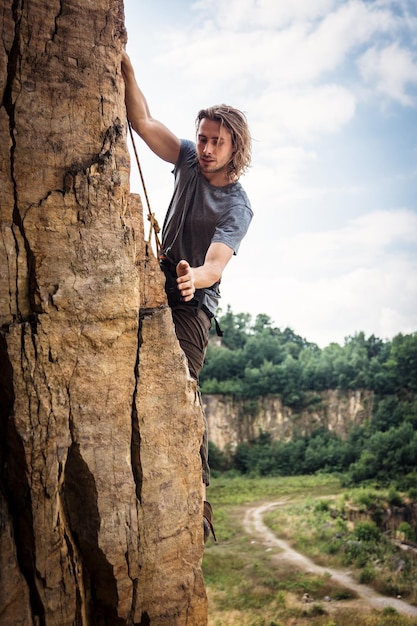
x=333, y=546
x=354, y=550
x=366, y=499
x=412, y=494
x=321, y=506
x=367, y=575
x=317, y=609
x=394, y=497
x=407, y=531
x=344, y=594
x=218, y=459
x=366, y=531
x=389, y=610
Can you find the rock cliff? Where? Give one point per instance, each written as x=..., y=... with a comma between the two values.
x=100, y=475
x=231, y=421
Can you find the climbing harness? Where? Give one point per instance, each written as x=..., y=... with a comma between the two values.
x=154, y=226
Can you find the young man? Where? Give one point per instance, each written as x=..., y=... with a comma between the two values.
x=207, y=218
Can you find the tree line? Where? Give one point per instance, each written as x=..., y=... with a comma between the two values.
x=256, y=359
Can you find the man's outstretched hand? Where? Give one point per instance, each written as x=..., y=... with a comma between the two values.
x=186, y=280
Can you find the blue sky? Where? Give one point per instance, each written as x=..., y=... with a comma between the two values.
x=330, y=91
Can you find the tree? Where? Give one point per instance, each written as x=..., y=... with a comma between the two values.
x=236, y=329
x=403, y=361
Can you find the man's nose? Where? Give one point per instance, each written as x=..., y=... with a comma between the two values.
x=207, y=149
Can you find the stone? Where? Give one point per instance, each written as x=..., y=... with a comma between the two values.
x=233, y=420
x=100, y=425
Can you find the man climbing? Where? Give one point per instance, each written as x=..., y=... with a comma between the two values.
x=207, y=218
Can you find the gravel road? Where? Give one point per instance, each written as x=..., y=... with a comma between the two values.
x=254, y=525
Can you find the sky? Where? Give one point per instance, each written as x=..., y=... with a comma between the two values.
x=329, y=88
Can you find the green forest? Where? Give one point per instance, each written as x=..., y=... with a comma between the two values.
x=256, y=359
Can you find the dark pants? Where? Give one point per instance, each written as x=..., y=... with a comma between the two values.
x=192, y=330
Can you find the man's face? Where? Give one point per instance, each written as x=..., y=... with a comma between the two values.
x=214, y=151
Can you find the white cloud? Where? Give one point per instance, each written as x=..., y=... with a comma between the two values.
x=302, y=114
x=286, y=75
x=240, y=14
x=383, y=228
x=376, y=300
x=283, y=163
x=390, y=70
x=364, y=242
x=328, y=285
x=321, y=255
x=248, y=38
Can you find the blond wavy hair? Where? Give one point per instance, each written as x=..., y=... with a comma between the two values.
x=236, y=123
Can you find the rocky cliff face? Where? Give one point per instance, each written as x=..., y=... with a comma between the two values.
x=100, y=475
x=232, y=421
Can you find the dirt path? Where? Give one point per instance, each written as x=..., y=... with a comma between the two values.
x=254, y=525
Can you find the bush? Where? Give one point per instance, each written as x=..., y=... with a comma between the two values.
x=407, y=531
x=412, y=494
x=219, y=461
x=321, y=506
x=366, y=499
x=367, y=575
x=394, y=497
x=333, y=546
x=354, y=550
x=389, y=610
x=367, y=531
x=344, y=594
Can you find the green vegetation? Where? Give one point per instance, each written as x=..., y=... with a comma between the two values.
x=248, y=584
x=257, y=359
x=363, y=456
x=251, y=585
x=356, y=531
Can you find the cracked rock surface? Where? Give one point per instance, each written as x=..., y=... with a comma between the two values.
x=100, y=427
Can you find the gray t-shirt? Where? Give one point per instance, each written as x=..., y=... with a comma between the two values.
x=200, y=214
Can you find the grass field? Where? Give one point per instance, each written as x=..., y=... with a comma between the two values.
x=248, y=585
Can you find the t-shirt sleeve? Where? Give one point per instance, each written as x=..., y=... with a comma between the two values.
x=233, y=226
x=186, y=157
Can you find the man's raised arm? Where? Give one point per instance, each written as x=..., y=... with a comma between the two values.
x=158, y=137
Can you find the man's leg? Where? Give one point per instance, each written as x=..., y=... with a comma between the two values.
x=192, y=330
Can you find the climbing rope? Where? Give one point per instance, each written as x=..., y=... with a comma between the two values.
x=154, y=226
